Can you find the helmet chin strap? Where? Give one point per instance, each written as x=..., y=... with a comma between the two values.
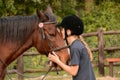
x=66, y=36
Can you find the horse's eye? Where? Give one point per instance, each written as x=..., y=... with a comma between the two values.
x=52, y=35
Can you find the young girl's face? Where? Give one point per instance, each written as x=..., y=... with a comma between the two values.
x=63, y=32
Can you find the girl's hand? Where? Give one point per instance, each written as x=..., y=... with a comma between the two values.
x=53, y=57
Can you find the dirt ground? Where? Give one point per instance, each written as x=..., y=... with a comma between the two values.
x=65, y=77
x=108, y=78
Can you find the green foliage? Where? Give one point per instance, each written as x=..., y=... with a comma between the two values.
x=105, y=15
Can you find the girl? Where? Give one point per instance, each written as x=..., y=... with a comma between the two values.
x=80, y=66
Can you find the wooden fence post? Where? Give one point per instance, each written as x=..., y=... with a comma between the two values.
x=100, y=52
x=20, y=67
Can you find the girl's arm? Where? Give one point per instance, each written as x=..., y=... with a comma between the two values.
x=69, y=69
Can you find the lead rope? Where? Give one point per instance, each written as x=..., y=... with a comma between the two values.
x=53, y=52
x=47, y=73
x=9, y=77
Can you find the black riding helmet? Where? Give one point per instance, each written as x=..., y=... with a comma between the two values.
x=73, y=23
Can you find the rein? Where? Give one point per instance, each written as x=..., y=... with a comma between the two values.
x=5, y=66
x=55, y=50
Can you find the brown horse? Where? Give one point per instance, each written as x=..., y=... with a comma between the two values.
x=19, y=33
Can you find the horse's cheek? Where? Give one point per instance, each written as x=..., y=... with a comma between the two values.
x=36, y=39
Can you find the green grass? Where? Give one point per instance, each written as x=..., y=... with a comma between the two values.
x=63, y=73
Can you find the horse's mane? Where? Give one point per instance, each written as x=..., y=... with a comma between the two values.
x=17, y=28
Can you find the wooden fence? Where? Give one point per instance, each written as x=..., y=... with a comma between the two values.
x=100, y=49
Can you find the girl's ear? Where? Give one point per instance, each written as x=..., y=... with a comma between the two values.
x=68, y=32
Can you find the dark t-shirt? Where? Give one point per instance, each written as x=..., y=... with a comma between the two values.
x=79, y=56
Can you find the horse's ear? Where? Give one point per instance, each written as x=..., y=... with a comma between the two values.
x=49, y=10
x=50, y=14
x=42, y=16
x=39, y=13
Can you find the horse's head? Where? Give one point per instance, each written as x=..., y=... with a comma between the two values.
x=47, y=38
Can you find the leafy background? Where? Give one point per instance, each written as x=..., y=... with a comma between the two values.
x=95, y=14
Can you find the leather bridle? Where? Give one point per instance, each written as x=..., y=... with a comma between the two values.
x=50, y=46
